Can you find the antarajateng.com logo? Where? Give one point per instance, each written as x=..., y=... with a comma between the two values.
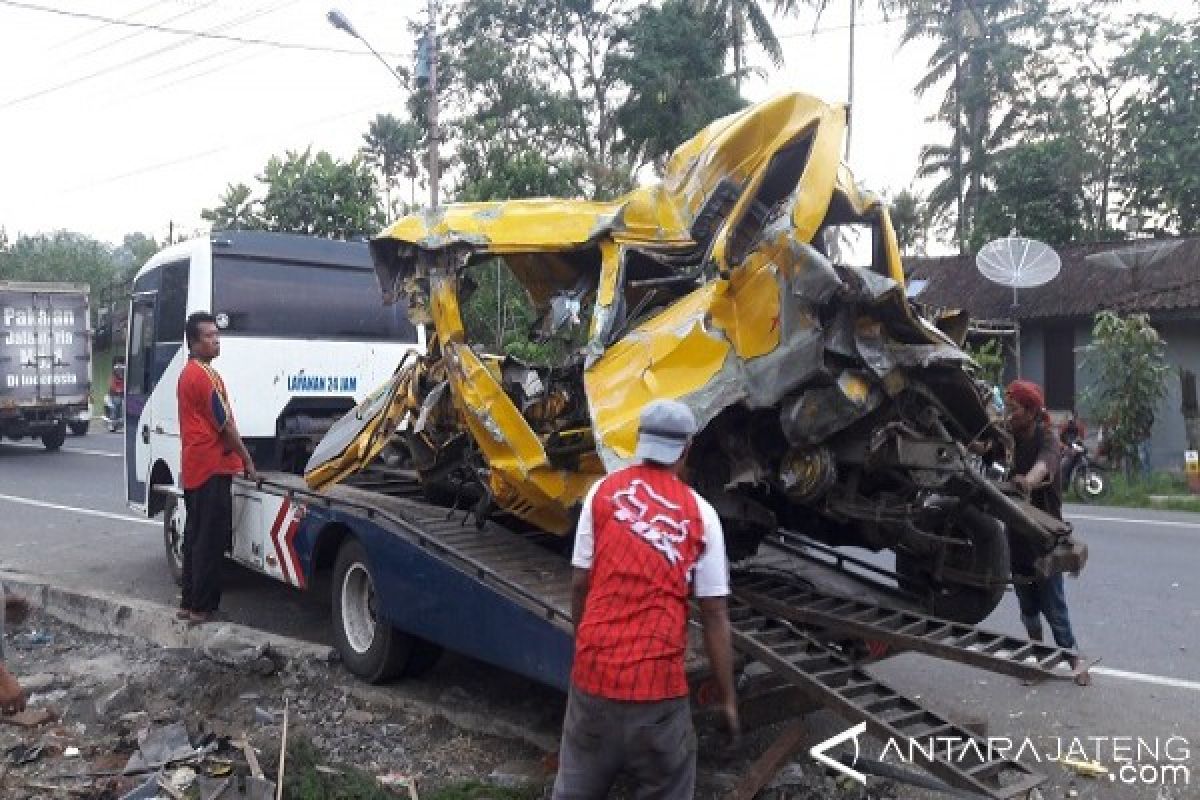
x=1130, y=760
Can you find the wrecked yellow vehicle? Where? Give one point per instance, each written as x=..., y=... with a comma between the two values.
x=757, y=284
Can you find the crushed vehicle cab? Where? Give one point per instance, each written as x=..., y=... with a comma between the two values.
x=757, y=284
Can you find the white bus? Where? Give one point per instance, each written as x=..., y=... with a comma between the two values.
x=304, y=338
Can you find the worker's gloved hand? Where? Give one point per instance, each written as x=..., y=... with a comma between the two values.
x=12, y=697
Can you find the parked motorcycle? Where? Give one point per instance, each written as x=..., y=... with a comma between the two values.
x=1081, y=475
x=113, y=412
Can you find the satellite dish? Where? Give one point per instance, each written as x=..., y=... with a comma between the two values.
x=1135, y=257
x=1021, y=264
x=1018, y=262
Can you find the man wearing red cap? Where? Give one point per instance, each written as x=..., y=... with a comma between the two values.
x=1035, y=467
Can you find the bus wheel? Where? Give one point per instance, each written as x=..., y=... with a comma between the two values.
x=174, y=519
x=370, y=647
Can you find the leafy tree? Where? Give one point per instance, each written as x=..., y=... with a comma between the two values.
x=315, y=195
x=989, y=355
x=1037, y=192
x=394, y=149
x=59, y=256
x=1128, y=368
x=538, y=75
x=497, y=173
x=237, y=210
x=674, y=73
x=910, y=218
x=1162, y=163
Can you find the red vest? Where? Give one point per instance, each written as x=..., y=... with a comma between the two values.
x=631, y=641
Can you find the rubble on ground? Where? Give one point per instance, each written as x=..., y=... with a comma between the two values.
x=118, y=719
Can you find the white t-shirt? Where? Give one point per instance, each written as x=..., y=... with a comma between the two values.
x=710, y=575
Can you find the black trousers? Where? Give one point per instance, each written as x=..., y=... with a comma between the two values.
x=207, y=534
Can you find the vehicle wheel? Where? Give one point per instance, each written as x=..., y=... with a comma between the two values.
x=1089, y=484
x=988, y=558
x=174, y=520
x=55, y=438
x=79, y=427
x=370, y=648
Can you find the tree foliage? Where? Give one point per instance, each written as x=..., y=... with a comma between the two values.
x=60, y=256
x=1036, y=192
x=314, y=195
x=1128, y=369
x=1162, y=164
x=673, y=69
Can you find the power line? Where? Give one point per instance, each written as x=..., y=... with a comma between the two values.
x=101, y=26
x=136, y=33
x=211, y=33
x=310, y=48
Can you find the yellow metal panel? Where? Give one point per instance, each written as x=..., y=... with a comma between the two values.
x=670, y=356
x=746, y=307
x=446, y=314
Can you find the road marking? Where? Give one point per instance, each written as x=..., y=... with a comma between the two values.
x=89, y=512
x=1141, y=677
x=1168, y=522
x=79, y=450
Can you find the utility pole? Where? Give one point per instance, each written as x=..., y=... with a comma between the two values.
x=431, y=33
x=956, y=13
x=850, y=83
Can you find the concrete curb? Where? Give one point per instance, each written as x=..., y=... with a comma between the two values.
x=127, y=617
x=109, y=614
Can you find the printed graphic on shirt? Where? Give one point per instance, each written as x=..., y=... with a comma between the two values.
x=652, y=517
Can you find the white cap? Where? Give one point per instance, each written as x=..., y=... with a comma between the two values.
x=665, y=428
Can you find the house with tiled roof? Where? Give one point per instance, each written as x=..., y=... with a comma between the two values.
x=1055, y=319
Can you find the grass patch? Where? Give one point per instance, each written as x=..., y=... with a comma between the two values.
x=1137, y=493
x=303, y=781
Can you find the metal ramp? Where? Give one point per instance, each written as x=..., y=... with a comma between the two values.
x=789, y=627
x=948, y=751
x=905, y=630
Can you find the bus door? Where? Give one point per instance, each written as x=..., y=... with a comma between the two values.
x=155, y=338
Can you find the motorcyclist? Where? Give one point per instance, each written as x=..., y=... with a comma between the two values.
x=1071, y=433
x=116, y=394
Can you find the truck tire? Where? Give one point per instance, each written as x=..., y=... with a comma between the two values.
x=174, y=521
x=988, y=558
x=370, y=648
x=55, y=438
x=79, y=427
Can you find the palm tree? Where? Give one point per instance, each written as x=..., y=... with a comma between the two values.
x=393, y=148
x=744, y=21
x=976, y=48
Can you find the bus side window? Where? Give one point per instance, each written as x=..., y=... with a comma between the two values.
x=170, y=318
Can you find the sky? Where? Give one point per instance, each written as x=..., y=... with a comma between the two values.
x=107, y=130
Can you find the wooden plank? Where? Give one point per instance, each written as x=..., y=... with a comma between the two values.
x=769, y=763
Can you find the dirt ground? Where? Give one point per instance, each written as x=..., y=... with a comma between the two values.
x=107, y=700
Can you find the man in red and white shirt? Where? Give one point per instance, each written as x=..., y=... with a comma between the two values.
x=212, y=453
x=645, y=543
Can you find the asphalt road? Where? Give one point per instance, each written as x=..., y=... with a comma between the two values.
x=1136, y=607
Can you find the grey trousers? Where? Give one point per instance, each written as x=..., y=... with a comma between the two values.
x=653, y=742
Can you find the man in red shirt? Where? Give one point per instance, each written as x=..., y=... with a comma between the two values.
x=644, y=543
x=213, y=453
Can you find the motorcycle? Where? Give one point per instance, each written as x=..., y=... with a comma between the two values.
x=113, y=417
x=1081, y=475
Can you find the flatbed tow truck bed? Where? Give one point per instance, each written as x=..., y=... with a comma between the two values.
x=437, y=579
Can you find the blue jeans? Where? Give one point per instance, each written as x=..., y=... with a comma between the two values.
x=1046, y=597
